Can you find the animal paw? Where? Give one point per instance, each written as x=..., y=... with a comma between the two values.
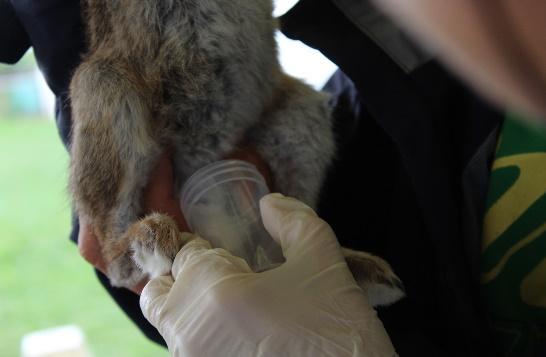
x=375, y=277
x=155, y=241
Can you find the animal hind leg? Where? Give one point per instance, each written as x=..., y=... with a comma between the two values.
x=112, y=153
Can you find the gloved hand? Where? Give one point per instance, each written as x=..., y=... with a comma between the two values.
x=214, y=305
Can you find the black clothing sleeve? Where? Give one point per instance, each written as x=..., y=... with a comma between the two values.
x=55, y=31
x=14, y=41
x=371, y=206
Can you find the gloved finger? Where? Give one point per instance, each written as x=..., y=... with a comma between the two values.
x=197, y=264
x=153, y=298
x=298, y=229
x=275, y=207
x=191, y=249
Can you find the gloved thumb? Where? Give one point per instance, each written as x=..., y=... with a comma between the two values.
x=153, y=298
x=298, y=229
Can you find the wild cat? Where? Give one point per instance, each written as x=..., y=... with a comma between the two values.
x=200, y=77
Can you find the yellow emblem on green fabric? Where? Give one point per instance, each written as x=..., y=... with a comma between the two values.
x=514, y=240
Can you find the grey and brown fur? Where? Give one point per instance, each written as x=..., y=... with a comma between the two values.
x=197, y=76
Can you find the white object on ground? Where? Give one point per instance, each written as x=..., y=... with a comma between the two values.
x=64, y=341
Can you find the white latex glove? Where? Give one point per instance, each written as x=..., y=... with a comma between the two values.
x=214, y=305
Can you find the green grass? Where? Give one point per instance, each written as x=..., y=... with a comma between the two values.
x=43, y=281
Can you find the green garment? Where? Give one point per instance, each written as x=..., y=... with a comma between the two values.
x=514, y=241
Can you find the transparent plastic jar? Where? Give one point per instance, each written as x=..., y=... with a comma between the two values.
x=221, y=204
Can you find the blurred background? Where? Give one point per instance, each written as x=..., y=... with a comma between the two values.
x=43, y=281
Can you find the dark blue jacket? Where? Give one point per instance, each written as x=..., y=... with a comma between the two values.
x=411, y=176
